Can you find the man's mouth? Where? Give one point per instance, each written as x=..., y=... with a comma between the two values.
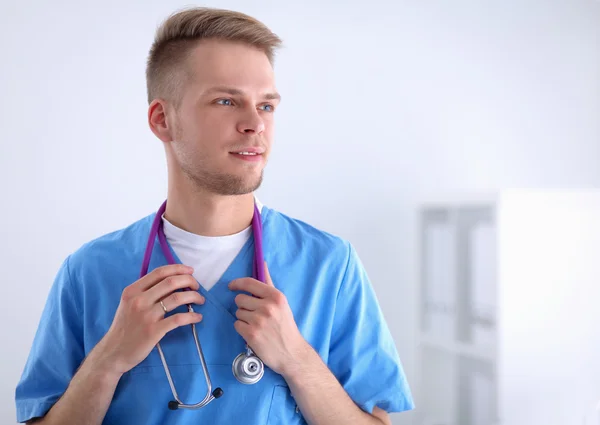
x=248, y=155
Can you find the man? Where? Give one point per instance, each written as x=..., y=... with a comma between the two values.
x=313, y=319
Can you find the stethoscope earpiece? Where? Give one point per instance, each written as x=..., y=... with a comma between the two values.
x=174, y=405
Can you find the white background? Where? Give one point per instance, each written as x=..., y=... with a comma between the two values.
x=384, y=103
x=549, y=343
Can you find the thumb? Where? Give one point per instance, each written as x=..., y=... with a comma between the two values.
x=268, y=279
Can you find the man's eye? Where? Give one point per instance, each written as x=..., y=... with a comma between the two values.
x=268, y=108
x=226, y=102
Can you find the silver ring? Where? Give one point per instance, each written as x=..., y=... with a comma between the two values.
x=163, y=307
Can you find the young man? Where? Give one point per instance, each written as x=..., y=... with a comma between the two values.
x=313, y=318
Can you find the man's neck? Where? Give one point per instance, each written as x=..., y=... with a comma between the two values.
x=208, y=214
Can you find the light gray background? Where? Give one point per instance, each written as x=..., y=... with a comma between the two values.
x=384, y=103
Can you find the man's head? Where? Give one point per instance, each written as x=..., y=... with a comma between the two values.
x=211, y=94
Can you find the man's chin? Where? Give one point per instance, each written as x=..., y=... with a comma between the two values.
x=235, y=186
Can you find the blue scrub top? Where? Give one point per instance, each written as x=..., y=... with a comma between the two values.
x=327, y=289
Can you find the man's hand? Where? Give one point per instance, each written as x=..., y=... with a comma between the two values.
x=140, y=323
x=267, y=324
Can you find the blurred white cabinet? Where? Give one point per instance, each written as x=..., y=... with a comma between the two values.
x=509, y=311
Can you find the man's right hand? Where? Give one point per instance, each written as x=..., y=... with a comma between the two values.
x=140, y=323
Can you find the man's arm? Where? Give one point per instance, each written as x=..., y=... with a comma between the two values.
x=321, y=398
x=86, y=400
x=266, y=322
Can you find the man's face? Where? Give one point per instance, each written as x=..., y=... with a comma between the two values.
x=226, y=109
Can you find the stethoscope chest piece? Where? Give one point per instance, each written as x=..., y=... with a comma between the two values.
x=248, y=368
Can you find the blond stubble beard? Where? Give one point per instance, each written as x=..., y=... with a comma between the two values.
x=216, y=183
x=221, y=184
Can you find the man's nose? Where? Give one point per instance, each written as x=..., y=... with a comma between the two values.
x=252, y=122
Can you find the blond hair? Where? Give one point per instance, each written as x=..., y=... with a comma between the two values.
x=180, y=33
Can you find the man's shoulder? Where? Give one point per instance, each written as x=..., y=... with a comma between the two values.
x=292, y=231
x=115, y=246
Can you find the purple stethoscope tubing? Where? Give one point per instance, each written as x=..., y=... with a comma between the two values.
x=258, y=271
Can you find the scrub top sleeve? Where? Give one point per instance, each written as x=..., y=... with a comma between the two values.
x=362, y=353
x=56, y=352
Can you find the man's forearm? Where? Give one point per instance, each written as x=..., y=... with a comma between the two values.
x=86, y=400
x=321, y=398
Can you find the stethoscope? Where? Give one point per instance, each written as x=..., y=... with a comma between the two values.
x=247, y=367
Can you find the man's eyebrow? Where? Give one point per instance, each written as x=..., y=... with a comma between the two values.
x=236, y=92
x=272, y=96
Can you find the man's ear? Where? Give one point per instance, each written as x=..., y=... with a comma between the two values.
x=158, y=120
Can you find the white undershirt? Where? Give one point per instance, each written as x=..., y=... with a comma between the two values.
x=210, y=256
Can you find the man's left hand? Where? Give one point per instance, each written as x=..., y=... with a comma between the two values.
x=267, y=324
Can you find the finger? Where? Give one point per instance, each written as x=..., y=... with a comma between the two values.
x=245, y=315
x=243, y=329
x=177, y=320
x=170, y=285
x=268, y=279
x=247, y=302
x=178, y=299
x=252, y=286
x=159, y=274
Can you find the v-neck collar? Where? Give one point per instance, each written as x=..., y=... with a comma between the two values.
x=220, y=295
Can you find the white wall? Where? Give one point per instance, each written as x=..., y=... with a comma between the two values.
x=548, y=299
x=384, y=103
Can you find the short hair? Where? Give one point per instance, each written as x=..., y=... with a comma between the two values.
x=180, y=33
